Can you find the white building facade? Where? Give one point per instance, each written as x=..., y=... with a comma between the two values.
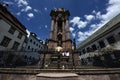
x=12, y=32
x=107, y=38
x=33, y=43
x=12, y=39
x=33, y=46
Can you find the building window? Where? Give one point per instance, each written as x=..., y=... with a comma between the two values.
x=111, y=40
x=35, y=49
x=88, y=49
x=32, y=49
x=83, y=51
x=15, y=45
x=30, y=40
x=26, y=40
x=94, y=47
x=12, y=30
x=102, y=44
x=37, y=44
x=5, y=41
x=20, y=35
x=34, y=42
x=28, y=47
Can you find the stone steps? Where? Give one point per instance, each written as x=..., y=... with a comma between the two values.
x=57, y=76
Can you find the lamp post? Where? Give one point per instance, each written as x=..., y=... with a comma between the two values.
x=58, y=48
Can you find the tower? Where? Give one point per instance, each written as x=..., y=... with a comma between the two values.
x=59, y=32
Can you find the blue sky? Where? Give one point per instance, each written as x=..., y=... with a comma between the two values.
x=87, y=16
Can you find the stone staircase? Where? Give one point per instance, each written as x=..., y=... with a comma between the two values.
x=57, y=76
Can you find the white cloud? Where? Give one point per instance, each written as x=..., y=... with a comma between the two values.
x=45, y=9
x=18, y=13
x=81, y=36
x=28, y=8
x=28, y=19
x=22, y=10
x=93, y=28
x=35, y=10
x=22, y=2
x=89, y=17
x=30, y=15
x=111, y=11
x=39, y=27
x=71, y=29
x=73, y=35
x=7, y=2
x=46, y=26
x=82, y=24
x=94, y=12
x=28, y=32
x=77, y=21
x=98, y=15
x=80, y=33
x=55, y=8
x=114, y=2
x=24, y=7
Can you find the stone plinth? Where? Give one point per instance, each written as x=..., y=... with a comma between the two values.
x=57, y=76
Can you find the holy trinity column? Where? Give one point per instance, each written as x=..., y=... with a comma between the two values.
x=59, y=32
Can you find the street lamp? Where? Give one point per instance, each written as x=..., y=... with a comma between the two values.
x=58, y=48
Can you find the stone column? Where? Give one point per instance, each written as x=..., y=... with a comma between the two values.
x=63, y=26
x=52, y=29
x=55, y=31
x=63, y=35
x=63, y=32
x=67, y=30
